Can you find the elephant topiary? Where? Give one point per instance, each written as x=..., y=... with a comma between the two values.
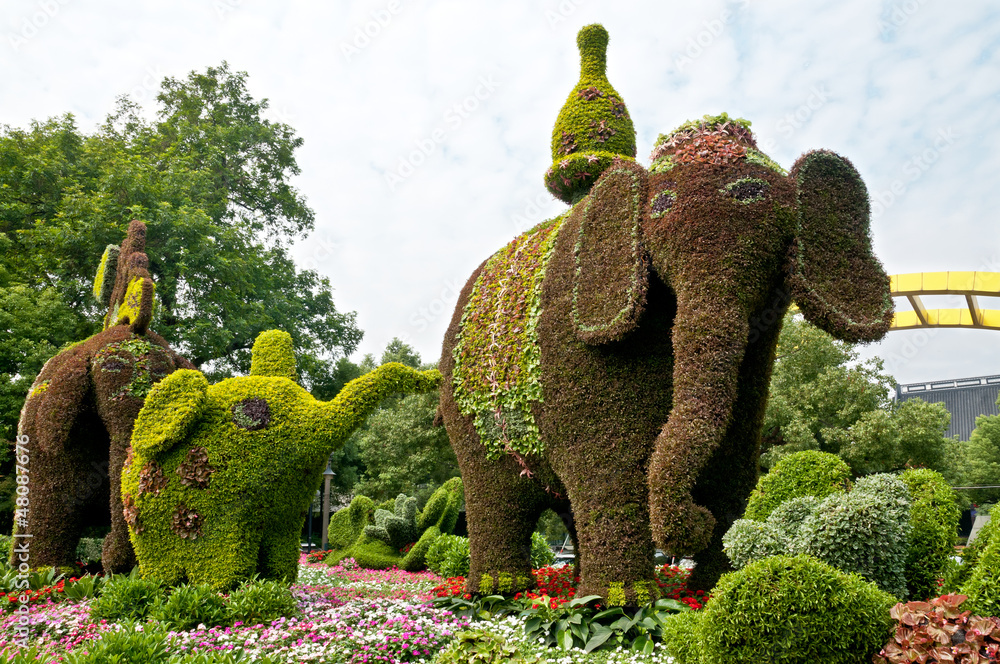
x=221, y=476
x=379, y=545
x=78, y=417
x=613, y=363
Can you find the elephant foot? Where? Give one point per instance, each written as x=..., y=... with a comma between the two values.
x=685, y=529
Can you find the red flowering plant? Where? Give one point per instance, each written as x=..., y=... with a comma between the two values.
x=318, y=556
x=939, y=632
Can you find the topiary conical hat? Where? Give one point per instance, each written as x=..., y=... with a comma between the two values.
x=593, y=127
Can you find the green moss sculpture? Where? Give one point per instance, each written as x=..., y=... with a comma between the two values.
x=221, y=476
x=593, y=127
x=381, y=541
x=78, y=417
x=612, y=364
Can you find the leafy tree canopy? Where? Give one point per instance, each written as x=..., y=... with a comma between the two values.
x=823, y=399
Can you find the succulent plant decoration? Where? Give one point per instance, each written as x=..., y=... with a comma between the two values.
x=593, y=127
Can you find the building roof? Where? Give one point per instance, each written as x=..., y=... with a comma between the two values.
x=965, y=398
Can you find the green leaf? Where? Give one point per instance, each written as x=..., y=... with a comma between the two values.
x=598, y=638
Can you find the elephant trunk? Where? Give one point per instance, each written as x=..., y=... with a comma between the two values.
x=360, y=397
x=710, y=337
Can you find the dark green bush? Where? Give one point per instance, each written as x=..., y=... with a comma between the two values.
x=983, y=570
x=260, y=602
x=449, y=556
x=863, y=531
x=191, y=605
x=791, y=610
x=89, y=549
x=788, y=517
x=346, y=525
x=126, y=597
x=972, y=553
x=934, y=516
x=807, y=473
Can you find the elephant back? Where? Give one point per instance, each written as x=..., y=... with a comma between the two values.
x=496, y=374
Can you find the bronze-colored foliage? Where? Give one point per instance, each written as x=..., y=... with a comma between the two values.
x=196, y=472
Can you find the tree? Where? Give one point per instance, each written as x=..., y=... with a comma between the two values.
x=211, y=179
x=822, y=398
x=976, y=462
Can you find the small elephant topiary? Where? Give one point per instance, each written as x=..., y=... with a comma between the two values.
x=380, y=545
x=220, y=477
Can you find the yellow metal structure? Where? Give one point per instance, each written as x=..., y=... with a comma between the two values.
x=971, y=285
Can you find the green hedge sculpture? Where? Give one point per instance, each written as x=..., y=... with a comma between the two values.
x=612, y=363
x=221, y=476
x=78, y=417
x=353, y=534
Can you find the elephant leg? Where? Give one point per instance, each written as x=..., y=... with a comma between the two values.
x=279, y=555
x=117, y=555
x=709, y=336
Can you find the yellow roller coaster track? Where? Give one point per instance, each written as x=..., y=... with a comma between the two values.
x=970, y=284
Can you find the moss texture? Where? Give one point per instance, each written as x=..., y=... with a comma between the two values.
x=79, y=415
x=593, y=127
x=657, y=321
x=273, y=355
x=369, y=541
x=241, y=471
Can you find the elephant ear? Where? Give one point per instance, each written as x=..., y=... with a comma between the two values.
x=170, y=411
x=611, y=277
x=835, y=278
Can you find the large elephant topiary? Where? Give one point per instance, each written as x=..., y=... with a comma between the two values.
x=221, y=476
x=78, y=417
x=613, y=363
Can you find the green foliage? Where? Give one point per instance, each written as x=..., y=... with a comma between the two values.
x=259, y=441
x=211, y=175
x=477, y=646
x=449, y=556
x=807, y=473
x=126, y=597
x=398, y=527
x=88, y=550
x=680, y=637
x=273, y=355
x=190, y=605
x=259, y=602
x=981, y=569
x=348, y=524
x=104, y=281
x=747, y=541
x=864, y=531
x=934, y=516
x=541, y=554
x=977, y=461
x=793, y=609
x=416, y=558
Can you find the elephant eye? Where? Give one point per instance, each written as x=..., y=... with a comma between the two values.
x=251, y=414
x=747, y=190
x=663, y=202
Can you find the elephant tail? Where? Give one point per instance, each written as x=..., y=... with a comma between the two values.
x=361, y=396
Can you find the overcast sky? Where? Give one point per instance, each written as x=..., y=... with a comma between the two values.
x=427, y=123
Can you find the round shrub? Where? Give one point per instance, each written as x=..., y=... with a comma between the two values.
x=792, y=610
x=126, y=598
x=789, y=516
x=808, y=473
x=449, y=556
x=747, y=541
x=262, y=601
x=191, y=605
x=541, y=553
x=864, y=531
x=680, y=637
x=934, y=516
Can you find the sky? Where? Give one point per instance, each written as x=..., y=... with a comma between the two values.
x=426, y=123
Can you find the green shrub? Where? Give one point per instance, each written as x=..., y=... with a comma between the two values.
x=130, y=645
x=479, y=646
x=807, y=473
x=396, y=527
x=748, y=540
x=983, y=585
x=126, y=598
x=541, y=553
x=788, y=517
x=416, y=558
x=449, y=556
x=681, y=638
x=89, y=549
x=863, y=531
x=261, y=602
x=346, y=525
x=371, y=553
x=6, y=544
x=191, y=605
x=934, y=516
x=792, y=610
x=972, y=553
